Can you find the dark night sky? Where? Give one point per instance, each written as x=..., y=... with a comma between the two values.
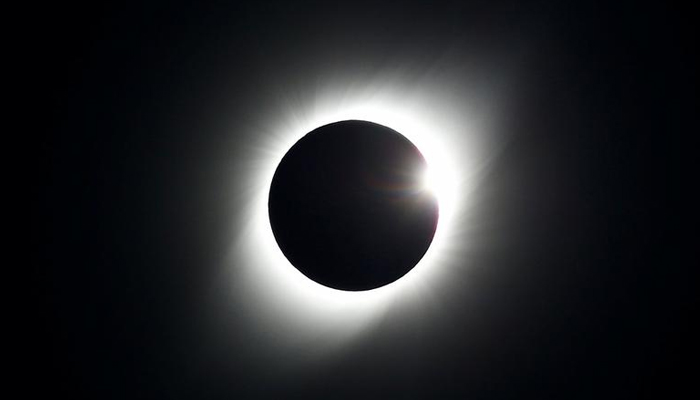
x=583, y=286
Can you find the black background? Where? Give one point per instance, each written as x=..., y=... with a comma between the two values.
x=585, y=284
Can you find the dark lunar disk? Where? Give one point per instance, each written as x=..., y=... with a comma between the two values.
x=347, y=207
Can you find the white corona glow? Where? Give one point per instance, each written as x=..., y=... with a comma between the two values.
x=290, y=309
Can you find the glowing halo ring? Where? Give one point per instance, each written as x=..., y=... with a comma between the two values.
x=281, y=299
x=439, y=167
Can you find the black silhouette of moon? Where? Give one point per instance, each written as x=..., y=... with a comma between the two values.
x=348, y=208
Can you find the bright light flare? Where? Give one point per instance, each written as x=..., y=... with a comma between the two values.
x=429, y=181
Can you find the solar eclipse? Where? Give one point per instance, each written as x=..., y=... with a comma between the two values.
x=512, y=225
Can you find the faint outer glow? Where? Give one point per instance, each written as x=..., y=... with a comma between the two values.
x=288, y=310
